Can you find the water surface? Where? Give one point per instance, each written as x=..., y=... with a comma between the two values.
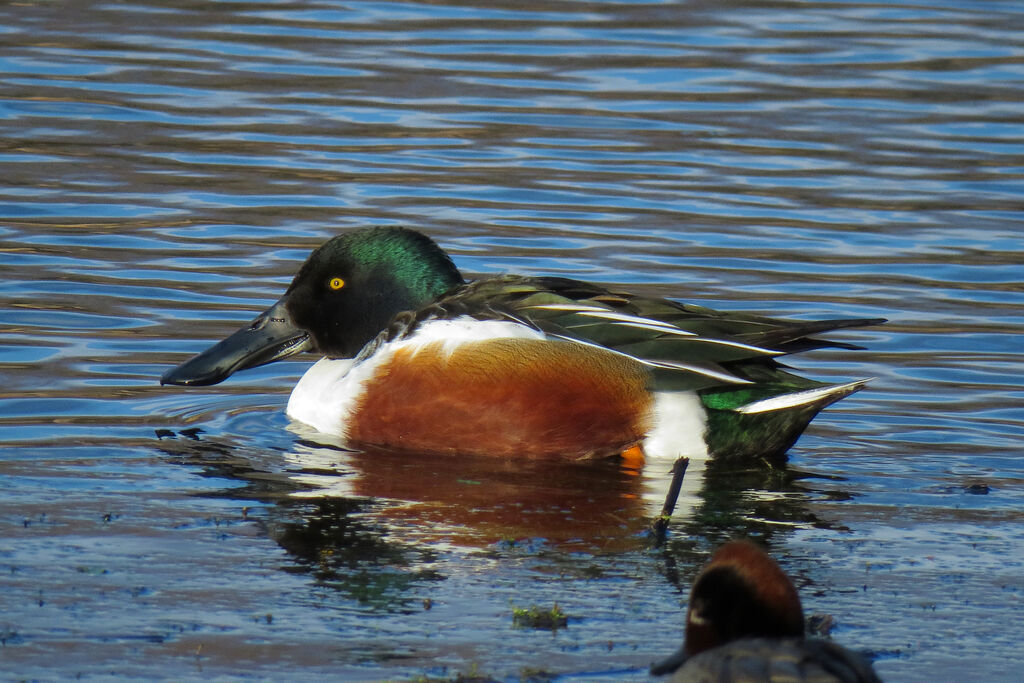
x=167, y=167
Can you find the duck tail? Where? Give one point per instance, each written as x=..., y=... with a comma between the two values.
x=766, y=426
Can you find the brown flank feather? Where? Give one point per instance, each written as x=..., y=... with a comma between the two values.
x=505, y=397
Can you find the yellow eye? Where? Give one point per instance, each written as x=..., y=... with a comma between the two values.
x=337, y=283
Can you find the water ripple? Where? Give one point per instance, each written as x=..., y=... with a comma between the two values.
x=167, y=167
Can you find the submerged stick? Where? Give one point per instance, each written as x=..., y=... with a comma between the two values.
x=660, y=525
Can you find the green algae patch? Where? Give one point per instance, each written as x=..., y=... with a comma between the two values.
x=540, y=618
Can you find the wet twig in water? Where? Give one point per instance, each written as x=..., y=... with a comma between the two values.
x=660, y=525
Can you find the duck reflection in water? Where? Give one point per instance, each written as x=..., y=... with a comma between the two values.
x=478, y=501
x=745, y=623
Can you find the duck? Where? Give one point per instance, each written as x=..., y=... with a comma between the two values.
x=745, y=623
x=415, y=358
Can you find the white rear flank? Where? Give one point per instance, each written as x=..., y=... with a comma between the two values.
x=679, y=423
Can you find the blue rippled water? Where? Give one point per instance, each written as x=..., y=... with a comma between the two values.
x=167, y=166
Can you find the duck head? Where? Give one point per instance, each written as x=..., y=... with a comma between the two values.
x=741, y=593
x=346, y=292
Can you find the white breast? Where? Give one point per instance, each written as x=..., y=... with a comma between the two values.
x=324, y=395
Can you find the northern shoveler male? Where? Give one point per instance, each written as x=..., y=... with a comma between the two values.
x=745, y=623
x=417, y=359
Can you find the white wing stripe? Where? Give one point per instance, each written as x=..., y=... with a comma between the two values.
x=735, y=345
x=669, y=365
x=651, y=324
x=799, y=398
x=605, y=314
